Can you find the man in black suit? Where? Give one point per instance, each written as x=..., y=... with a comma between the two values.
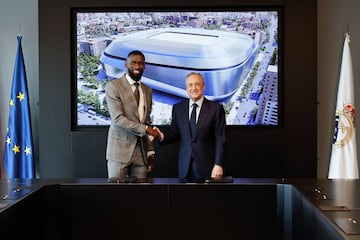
x=201, y=152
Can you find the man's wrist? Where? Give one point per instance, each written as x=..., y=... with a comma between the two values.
x=161, y=138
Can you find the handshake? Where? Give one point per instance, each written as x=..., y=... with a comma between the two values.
x=154, y=132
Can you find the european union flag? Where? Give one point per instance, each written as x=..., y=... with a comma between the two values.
x=18, y=150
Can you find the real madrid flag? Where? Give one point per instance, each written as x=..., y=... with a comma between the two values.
x=343, y=162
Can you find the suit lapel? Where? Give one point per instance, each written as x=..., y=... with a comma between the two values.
x=184, y=118
x=130, y=95
x=146, y=93
x=204, y=111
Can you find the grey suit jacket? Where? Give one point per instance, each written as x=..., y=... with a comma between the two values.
x=126, y=126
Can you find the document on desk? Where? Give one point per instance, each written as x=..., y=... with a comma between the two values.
x=348, y=225
x=219, y=180
x=333, y=208
x=3, y=205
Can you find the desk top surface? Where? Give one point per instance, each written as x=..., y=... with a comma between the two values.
x=337, y=200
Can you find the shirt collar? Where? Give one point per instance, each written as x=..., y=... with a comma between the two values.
x=130, y=80
x=198, y=102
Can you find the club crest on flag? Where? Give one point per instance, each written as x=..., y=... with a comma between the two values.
x=344, y=125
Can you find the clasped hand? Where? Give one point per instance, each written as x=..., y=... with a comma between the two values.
x=155, y=132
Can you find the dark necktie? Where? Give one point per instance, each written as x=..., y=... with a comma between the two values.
x=193, y=119
x=136, y=92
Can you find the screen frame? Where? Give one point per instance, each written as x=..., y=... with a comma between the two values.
x=73, y=29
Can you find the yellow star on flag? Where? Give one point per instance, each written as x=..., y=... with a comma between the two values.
x=8, y=140
x=16, y=149
x=27, y=150
x=21, y=96
x=11, y=103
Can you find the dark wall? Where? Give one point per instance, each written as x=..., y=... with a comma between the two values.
x=288, y=151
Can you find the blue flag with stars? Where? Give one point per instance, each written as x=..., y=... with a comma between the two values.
x=18, y=150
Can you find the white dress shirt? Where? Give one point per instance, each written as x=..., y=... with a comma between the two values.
x=141, y=108
x=199, y=104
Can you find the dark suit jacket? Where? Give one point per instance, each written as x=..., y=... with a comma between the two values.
x=208, y=144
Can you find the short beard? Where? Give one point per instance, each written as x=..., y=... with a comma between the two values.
x=136, y=78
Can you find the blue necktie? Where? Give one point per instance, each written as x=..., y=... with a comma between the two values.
x=193, y=119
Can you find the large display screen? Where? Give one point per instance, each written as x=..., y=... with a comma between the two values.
x=237, y=52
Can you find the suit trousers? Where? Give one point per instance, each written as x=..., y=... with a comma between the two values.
x=134, y=168
x=193, y=172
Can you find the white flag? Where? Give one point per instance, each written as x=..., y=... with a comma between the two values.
x=343, y=162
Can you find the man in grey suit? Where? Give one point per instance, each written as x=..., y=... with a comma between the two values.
x=201, y=153
x=129, y=150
